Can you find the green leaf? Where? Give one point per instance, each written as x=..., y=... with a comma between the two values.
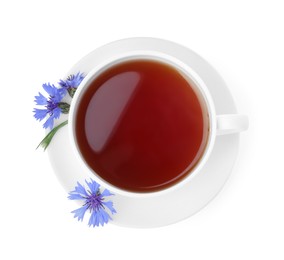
x=47, y=139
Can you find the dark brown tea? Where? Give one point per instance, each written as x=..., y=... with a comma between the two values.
x=141, y=125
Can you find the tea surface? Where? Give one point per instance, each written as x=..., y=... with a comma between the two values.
x=141, y=126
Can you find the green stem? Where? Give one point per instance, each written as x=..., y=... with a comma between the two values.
x=47, y=139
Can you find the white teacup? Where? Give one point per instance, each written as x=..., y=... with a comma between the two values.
x=219, y=124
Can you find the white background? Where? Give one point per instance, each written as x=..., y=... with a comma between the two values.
x=243, y=40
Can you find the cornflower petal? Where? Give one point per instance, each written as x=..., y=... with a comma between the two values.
x=78, y=79
x=75, y=196
x=40, y=100
x=104, y=218
x=93, y=186
x=100, y=218
x=106, y=193
x=40, y=114
x=49, y=88
x=56, y=112
x=72, y=81
x=60, y=93
x=49, y=123
x=109, y=205
x=80, y=189
x=62, y=83
x=80, y=212
x=93, y=221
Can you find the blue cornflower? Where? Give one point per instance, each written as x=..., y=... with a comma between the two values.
x=94, y=201
x=51, y=104
x=72, y=82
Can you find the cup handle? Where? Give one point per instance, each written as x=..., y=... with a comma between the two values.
x=231, y=123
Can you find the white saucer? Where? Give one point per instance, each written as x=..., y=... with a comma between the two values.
x=190, y=198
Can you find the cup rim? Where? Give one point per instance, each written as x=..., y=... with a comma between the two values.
x=146, y=55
